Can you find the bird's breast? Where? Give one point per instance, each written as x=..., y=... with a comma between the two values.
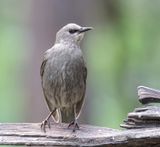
x=63, y=78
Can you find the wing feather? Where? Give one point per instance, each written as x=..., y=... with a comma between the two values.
x=80, y=103
x=55, y=114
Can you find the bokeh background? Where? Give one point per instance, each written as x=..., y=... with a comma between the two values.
x=122, y=52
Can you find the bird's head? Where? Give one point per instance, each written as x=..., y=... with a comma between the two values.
x=71, y=33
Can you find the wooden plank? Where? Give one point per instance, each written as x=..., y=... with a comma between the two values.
x=59, y=135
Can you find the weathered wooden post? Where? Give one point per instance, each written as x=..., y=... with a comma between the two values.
x=142, y=128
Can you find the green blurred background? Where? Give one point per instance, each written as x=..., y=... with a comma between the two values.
x=122, y=52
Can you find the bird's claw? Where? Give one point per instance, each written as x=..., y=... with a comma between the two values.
x=44, y=123
x=75, y=125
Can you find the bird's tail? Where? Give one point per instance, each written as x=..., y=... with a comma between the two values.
x=67, y=115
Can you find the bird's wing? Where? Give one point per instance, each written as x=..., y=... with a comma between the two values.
x=80, y=103
x=45, y=59
x=55, y=115
x=42, y=68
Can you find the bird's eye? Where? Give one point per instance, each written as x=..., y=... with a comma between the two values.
x=72, y=31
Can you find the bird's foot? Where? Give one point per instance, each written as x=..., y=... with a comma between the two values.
x=75, y=125
x=45, y=123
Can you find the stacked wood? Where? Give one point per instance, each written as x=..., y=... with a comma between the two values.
x=149, y=114
x=148, y=95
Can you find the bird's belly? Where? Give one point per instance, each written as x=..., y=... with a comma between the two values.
x=63, y=87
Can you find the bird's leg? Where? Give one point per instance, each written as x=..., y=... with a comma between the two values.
x=74, y=123
x=46, y=121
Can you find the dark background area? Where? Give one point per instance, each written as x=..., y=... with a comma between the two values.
x=122, y=52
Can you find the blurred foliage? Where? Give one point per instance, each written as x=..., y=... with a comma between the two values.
x=123, y=54
x=12, y=56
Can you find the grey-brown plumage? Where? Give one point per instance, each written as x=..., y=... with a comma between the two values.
x=63, y=73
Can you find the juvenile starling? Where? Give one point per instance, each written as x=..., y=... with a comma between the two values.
x=63, y=74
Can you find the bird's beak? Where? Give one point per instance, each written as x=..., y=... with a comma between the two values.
x=84, y=29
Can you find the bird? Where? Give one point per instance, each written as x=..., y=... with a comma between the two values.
x=63, y=76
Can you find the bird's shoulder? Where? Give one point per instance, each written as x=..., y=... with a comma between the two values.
x=66, y=51
x=63, y=53
x=45, y=59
